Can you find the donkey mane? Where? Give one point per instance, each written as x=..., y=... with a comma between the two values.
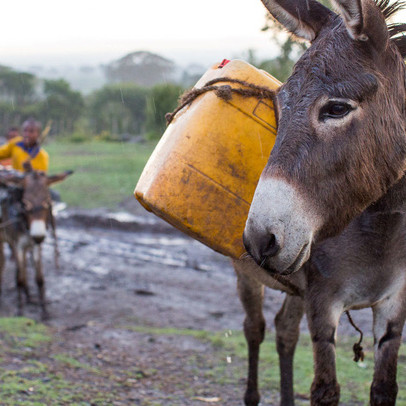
x=396, y=30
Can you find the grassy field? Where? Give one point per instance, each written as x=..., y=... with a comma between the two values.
x=105, y=172
x=33, y=371
x=354, y=378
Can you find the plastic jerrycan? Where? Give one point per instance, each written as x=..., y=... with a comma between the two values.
x=202, y=174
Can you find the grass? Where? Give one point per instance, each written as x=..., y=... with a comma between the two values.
x=74, y=363
x=32, y=373
x=22, y=332
x=105, y=172
x=354, y=378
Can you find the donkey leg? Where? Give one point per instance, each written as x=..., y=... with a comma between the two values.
x=251, y=294
x=24, y=279
x=325, y=389
x=287, y=323
x=39, y=279
x=389, y=319
x=21, y=277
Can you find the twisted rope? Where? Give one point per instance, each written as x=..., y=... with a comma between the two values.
x=357, y=348
x=224, y=92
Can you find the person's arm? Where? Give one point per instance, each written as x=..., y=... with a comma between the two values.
x=6, y=150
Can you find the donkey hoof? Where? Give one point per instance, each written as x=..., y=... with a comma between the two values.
x=325, y=394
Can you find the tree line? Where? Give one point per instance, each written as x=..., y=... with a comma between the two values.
x=128, y=106
x=110, y=112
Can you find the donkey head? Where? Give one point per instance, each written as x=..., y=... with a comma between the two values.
x=341, y=129
x=36, y=199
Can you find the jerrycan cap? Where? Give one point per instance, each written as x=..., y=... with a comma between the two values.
x=223, y=63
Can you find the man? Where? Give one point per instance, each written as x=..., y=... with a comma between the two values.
x=26, y=148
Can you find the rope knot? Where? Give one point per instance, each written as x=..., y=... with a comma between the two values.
x=169, y=117
x=224, y=92
x=358, y=352
x=357, y=348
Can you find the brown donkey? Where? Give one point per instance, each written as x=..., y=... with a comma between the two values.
x=331, y=200
x=25, y=214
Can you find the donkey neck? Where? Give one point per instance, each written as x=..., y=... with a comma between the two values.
x=394, y=201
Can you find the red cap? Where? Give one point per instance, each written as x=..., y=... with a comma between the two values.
x=224, y=62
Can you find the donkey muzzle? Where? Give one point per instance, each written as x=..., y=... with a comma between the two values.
x=38, y=231
x=279, y=229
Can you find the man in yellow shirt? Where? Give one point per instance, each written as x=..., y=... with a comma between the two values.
x=22, y=149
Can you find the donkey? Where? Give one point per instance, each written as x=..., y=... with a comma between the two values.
x=25, y=214
x=328, y=218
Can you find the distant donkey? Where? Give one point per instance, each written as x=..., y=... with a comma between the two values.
x=25, y=215
x=328, y=218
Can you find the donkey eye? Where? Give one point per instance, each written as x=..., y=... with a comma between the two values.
x=335, y=110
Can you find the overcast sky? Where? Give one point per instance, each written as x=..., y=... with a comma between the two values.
x=32, y=29
x=97, y=31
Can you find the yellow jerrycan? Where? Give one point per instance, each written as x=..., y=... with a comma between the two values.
x=202, y=175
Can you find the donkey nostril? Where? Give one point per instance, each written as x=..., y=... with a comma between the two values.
x=271, y=246
x=38, y=239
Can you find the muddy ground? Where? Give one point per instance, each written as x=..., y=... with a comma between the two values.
x=122, y=275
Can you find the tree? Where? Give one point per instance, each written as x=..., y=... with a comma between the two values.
x=62, y=105
x=161, y=100
x=16, y=87
x=290, y=51
x=119, y=108
x=17, y=97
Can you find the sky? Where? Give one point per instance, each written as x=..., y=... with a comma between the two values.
x=89, y=31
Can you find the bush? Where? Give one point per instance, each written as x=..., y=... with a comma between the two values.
x=118, y=109
x=161, y=100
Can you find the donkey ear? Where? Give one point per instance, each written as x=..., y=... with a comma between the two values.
x=304, y=18
x=364, y=21
x=58, y=178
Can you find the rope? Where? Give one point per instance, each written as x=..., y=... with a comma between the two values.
x=357, y=348
x=224, y=92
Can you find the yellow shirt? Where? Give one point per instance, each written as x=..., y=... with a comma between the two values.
x=19, y=153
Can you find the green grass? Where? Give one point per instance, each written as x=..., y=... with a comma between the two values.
x=355, y=379
x=105, y=172
x=22, y=332
x=31, y=373
x=74, y=363
x=199, y=334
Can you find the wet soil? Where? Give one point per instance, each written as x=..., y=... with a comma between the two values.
x=122, y=272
